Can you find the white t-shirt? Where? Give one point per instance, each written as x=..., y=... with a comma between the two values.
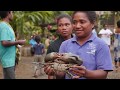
x=105, y=35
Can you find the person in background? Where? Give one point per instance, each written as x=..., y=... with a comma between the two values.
x=32, y=42
x=64, y=28
x=53, y=38
x=94, y=30
x=117, y=45
x=47, y=42
x=8, y=45
x=118, y=27
x=105, y=34
x=39, y=50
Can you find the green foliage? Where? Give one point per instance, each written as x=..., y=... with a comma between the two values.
x=26, y=23
x=111, y=17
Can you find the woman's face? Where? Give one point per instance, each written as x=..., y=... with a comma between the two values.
x=65, y=27
x=82, y=25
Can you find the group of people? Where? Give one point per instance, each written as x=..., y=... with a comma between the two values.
x=75, y=36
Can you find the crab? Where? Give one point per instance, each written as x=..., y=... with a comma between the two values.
x=62, y=61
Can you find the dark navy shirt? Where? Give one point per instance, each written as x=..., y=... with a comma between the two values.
x=38, y=49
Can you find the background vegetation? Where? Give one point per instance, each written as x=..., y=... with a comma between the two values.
x=27, y=23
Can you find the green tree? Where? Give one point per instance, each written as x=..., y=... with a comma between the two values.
x=26, y=23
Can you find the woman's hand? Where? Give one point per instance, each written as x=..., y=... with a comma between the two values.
x=49, y=70
x=79, y=71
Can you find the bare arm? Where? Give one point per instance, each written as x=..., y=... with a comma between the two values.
x=81, y=71
x=11, y=43
x=96, y=74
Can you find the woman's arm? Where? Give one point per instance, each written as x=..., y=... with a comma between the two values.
x=81, y=71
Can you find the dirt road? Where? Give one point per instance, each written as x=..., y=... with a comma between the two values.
x=25, y=69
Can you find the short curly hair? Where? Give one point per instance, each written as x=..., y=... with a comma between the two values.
x=4, y=14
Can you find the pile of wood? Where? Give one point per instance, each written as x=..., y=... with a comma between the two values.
x=25, y=51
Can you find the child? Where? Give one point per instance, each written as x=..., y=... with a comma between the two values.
x=39, y=50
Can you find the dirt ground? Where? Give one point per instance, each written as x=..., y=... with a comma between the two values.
x=25, y=70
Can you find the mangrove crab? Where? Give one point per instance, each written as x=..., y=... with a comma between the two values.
x=63, y=61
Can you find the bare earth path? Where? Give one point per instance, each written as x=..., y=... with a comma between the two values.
x=24, y=69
